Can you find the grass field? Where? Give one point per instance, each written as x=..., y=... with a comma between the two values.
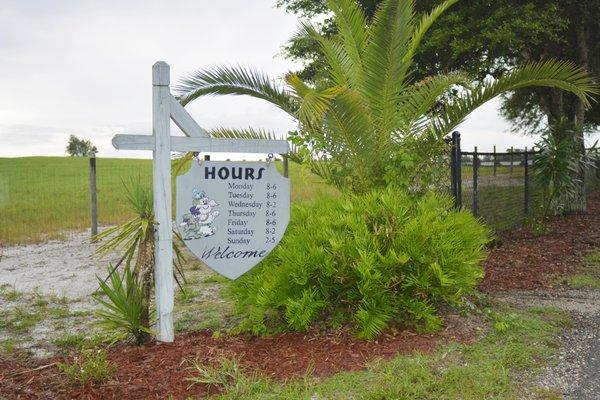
x=42, y=197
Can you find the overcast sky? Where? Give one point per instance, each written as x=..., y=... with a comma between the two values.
x=84, y=68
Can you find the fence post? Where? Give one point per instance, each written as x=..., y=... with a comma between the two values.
x=526, y=183
x=512, y=155
x=475, y=168
x=455, y=170
x=495, y=160
x=93, y=197
x=285, y=166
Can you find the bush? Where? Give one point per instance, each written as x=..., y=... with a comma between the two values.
x=368, y=260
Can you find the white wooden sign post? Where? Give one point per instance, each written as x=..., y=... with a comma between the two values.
x=164, y=108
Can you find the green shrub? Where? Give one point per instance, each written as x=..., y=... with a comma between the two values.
x=368, y=260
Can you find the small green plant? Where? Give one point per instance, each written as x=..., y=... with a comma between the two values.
x=70, y=341
x=123, y=310
x=540, y=226
x=558, y=167
x=10, y=293
x=365, y=260
x=227, y=375
x=91, y=365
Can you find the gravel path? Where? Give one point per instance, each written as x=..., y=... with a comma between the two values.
x=575, y=375
x=63, y=268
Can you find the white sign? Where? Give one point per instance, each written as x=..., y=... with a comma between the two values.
x=165, y=108
x=232, y=214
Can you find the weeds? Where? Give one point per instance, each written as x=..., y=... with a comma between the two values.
x=228, y=376
x=10, y=293
x=90, y=366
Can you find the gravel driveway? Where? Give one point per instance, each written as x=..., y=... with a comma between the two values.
x=576, y=375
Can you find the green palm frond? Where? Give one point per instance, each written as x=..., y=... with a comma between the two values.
x=420, y=98
x=333, y=50
x=242, y=133
x=424, y=24
x=551, y=73
x=348, y=123
x=385, y=64
x=351, y=22
x=252, y=133
x=315, y=103
x=237, y=80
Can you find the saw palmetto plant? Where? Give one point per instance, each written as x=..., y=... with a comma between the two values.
x=129, y=294
x=371, y=124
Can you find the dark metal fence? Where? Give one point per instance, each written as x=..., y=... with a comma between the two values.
x=500, y=187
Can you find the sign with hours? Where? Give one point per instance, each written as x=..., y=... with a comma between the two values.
x=232, y=214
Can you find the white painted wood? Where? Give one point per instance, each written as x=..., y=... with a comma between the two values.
x=161, y=74
x=184, y=120
x=133, y=142
x=215, y=145
x=161, y=172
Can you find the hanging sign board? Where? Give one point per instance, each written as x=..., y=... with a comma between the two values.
x=232, y=214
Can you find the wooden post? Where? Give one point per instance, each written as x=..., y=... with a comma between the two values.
x=161, y=175
x=495, y=160
x=512, y=152
x=285, y=166
x=93, y=197
x=475, y=188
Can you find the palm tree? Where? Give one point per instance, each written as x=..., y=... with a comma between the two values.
x=371, y=124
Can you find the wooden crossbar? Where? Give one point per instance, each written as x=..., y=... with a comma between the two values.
x=203, y=144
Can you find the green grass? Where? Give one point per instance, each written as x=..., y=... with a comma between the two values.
x=589, y=275
x=42, y=197
x=487, y=369
x=581, y=281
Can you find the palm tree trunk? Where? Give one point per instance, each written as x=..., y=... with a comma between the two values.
x=144, y=268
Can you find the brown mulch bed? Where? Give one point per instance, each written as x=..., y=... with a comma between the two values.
x=529, y=262
x=521, y=261
x=160, y=370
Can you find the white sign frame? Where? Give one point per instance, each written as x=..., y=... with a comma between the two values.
x=164, y=108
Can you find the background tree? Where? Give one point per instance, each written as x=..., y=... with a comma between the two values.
x=80, y=147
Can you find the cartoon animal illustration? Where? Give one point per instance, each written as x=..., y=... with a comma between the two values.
x=198, y=223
